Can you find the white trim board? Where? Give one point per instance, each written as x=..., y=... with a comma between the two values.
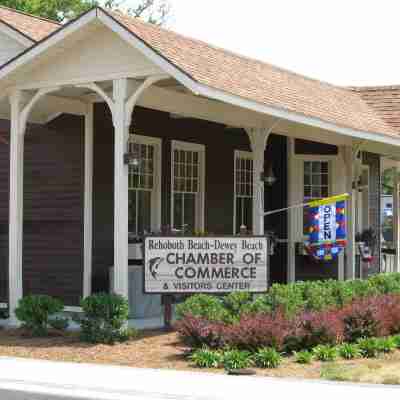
x=184, y=78
x=15, y=34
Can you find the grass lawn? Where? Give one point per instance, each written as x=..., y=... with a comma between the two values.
x=157, y=349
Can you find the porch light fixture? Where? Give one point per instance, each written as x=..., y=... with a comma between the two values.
x=269, y=178
x=131, y=159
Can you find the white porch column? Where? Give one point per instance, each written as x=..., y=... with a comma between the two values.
x=396, y=218
x=88, y=202
x=16, y=214
x=121, y=135
x=258, y=141
x=349, y=158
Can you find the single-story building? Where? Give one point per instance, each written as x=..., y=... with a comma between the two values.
x=201, y=126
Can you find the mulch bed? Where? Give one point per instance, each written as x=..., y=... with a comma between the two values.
x=152, y=349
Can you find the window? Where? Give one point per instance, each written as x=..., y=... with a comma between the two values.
x=187, y=202
x=144, y=184
x=243, y=198
x=316, y=182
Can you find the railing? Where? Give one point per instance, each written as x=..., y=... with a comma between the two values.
x=388, y=260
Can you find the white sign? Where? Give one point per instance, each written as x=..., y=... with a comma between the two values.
x=205, y=264
x=327, y=223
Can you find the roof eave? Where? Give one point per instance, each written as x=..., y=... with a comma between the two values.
x=183, y=77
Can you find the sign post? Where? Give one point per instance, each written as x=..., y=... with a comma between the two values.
x=179, y=265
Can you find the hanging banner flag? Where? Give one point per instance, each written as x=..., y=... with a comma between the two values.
x=326, y=227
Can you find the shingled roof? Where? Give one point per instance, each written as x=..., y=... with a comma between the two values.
x=385, y=100
x=258, y=81
x=243, y=77
x=29, y=25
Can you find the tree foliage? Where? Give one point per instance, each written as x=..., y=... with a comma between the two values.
x=153, y=11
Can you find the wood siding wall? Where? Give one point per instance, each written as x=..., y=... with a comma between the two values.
x=53, y=199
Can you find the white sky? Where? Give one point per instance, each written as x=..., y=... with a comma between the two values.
x=351, y=42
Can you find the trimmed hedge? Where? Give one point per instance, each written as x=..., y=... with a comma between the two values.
x=375, y=316
x=37, y=314
x=290, y=299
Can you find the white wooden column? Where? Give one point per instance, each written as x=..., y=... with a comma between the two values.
x=396, y=218
x=258, y=141
x=349, y=158
x=88, y=203
x=16, y=205
x=121, y=135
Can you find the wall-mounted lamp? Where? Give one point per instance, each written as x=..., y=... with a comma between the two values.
x=131, y=159
x=269, y=177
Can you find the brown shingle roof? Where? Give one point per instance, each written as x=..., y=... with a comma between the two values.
x=258, y=81
x=385, y=100
x=234, y=74
x=34, y=27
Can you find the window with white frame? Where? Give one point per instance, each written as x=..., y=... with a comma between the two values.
x=187, y=200
x=144, y=184
x=243, y=197
x=316, y=181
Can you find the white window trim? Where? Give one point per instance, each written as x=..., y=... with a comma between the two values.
x=238, y=154
x=201, y=149
x=156, y=198
x=365, y=212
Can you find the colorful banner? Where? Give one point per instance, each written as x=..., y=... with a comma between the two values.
x=326, y=228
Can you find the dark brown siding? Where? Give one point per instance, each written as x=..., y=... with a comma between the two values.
x=53, y=210
x=4, y=199
x=220, y=145
x=53, y=199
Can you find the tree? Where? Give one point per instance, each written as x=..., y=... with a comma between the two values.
x=153, y=11
x=53, y=9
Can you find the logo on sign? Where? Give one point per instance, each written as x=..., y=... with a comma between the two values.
x=154, y=263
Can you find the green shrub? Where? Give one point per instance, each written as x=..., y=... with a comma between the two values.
x=303, y=357
x=206, y=358
x=267, y=357
x=34, y=312
x=289, y=298
x=386, y=344
x=104, y=318
x=349, y=351
x=236, y=359
x=396, y=341
x=128, y=334
x=238, y=303
x=61, y=324
x=325, y=353
x=203, y=306
x=369, y=347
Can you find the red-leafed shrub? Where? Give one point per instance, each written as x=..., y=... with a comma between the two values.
x=363, y=318
x=372, y=316
x=198, y=332
x=258, y=331
x=310, y=329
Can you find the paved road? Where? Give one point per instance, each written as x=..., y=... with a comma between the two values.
x=34, y=380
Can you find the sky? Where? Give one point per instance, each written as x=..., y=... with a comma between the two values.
x=351, y=42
